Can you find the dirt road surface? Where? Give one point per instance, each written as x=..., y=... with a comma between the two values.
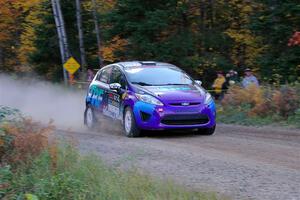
x=238, y=162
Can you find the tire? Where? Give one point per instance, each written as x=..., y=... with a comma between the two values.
x=129, y=124
x=89, y=117
x=206, y=131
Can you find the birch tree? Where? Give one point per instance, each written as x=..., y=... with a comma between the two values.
x=63, y=30
x=60, y=27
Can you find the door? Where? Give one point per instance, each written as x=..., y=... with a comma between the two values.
x=115, y=105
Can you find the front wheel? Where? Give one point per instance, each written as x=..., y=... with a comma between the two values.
x=129, y=124
x=89, y=117
x=206, y=131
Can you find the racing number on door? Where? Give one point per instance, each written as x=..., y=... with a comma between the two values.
x=113, y=105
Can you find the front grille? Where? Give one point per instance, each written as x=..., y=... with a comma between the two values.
x=186, y=110
x=185, y=119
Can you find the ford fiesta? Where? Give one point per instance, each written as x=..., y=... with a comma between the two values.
x=149, y=96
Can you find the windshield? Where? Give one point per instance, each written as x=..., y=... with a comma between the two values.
x=157, y=76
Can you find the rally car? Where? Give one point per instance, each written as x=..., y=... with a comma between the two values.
x=149, y=96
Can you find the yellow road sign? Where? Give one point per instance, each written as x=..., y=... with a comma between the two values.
x=71, y=65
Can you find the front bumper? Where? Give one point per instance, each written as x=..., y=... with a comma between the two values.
x=152, y=117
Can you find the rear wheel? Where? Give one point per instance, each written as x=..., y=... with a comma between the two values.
x=206, y=131
x=129, y=124
x=89, y=117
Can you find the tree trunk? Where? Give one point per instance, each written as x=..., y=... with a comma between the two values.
x=60, y=40
x=212, y=13
x=202, y=16
x=202, y=28
x=63, y=30
x=80, y=34
x=97, y=31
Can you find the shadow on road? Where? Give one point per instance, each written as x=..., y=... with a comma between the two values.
x=171, y=134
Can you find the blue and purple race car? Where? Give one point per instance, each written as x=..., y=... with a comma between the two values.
x=149, y=96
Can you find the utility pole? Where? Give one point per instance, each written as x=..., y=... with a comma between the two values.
x=80, y=34
x=63, y=30
x=97, y=31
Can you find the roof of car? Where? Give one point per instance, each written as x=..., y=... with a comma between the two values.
x=130, y=64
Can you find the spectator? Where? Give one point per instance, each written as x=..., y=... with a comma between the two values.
x=218, y=85
x=90, y=75
x=249, y=79
x=231, y=79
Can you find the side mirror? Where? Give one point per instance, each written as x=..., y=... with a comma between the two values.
x=115, y=86
x=198, y=82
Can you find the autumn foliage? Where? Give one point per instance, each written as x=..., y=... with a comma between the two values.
x=263, y=101
x=23, y=140
x=199, y=36
x=295, y=39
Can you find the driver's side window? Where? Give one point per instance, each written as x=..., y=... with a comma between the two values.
x=103, y=76
x=118, y=77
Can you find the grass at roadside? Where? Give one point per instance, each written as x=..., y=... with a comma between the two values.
x=32, y=168
x=238, y=115
x=73, y=176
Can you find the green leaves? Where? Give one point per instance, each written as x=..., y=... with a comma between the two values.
x=9, y=114
x=31, y=197
x=275, y=24
x=5, y=177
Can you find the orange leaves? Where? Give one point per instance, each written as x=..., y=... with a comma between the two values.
x=14, y=24
x=251, y=95
x=263, y=101
x=108, y=51
x=285, y=101
x=8, y=16
x=295, y=39
x=28, y=139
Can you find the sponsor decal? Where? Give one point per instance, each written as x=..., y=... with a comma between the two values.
x=95, y=96
x=113, y=106
x=114, y=103
x=175, y=88
x=114, y=97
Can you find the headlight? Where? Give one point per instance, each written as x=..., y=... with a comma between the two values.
x=149, y=99
x=208, y=99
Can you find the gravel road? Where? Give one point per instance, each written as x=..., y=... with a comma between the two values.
x=238, y=162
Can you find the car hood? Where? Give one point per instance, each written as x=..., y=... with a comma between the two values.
x=177, y=93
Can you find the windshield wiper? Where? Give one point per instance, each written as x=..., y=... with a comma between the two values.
x=142, y=83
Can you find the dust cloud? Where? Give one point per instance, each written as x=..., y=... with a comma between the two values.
x=44, y=101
